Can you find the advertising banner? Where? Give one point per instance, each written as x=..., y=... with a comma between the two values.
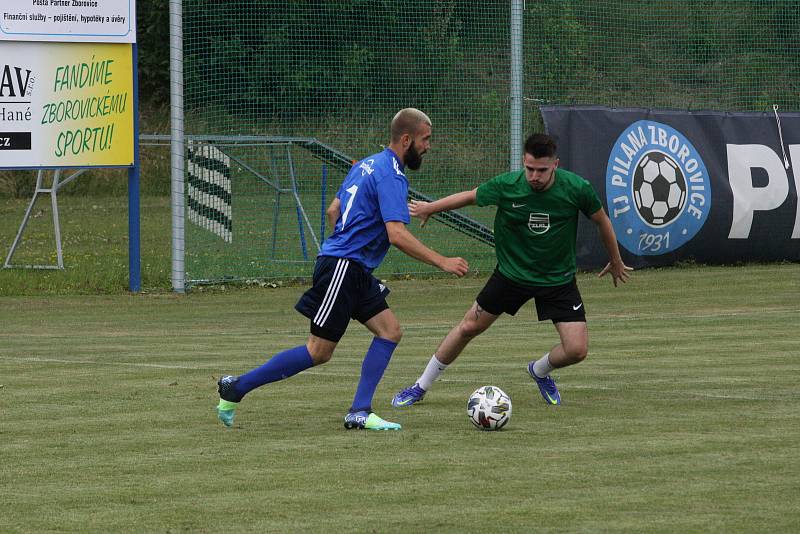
x=66, y=105
x=99, y=21
x=712, y=187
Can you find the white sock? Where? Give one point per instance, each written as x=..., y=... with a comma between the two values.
x=431, y=373
x=542, y=367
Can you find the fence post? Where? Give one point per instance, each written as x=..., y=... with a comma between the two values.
x=177, y=141
x=515, y=118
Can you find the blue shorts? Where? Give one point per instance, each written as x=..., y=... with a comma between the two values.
x=342, y=290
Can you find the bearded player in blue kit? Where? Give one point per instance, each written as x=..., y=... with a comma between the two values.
x=370, y=214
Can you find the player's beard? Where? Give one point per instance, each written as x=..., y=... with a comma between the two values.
x=413, y=159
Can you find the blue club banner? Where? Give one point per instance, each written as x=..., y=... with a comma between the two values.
x=711, y=187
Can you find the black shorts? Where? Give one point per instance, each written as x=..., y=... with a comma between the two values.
x=342, y=290
x=560, y=304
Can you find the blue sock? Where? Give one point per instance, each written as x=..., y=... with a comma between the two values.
x=375, y=363
x=282, y=365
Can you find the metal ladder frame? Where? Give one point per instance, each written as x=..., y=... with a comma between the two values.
x=41, y=189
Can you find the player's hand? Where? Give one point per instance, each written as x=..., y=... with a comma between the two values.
x=419, y=209
x=619, y=272
x=456, y=266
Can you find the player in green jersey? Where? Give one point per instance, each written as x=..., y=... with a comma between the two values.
x=535, y=229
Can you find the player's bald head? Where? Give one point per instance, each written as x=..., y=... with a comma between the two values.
x=407, y=121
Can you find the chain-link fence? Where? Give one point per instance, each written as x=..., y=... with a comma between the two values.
x=288, y=92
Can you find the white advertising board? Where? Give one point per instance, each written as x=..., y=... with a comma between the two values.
x=98, y=21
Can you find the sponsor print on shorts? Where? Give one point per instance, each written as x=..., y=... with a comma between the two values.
x=657, y=188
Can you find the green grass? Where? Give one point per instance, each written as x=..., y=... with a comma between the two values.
x=685, y=417
x=94, y=234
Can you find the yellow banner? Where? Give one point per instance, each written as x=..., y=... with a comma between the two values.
x=66, y=104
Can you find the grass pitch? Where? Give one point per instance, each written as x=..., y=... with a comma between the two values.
x=685, y=417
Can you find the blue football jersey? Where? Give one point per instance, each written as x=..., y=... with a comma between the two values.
x=373, y=193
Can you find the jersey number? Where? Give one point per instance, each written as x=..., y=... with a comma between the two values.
x=353, y=189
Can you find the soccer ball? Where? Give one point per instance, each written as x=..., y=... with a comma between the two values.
x=489, y=408
x=659, y=189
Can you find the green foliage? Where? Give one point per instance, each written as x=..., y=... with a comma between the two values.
x=152, y=23
x=292, y=60
x=557, y=66
x=304, y=57
x=339, y=70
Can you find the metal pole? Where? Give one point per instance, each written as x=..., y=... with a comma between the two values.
x=39, y=181
x=323, y=203
x=277, y=209
x=515, y=118
x=134, y=240
x=301, y=211
x=56, y=225
x=177, y=146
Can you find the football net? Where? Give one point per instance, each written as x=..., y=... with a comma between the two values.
x=274, y=216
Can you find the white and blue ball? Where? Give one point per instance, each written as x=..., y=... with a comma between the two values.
x=489, y=408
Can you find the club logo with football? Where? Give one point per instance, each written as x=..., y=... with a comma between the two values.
x=657, y=188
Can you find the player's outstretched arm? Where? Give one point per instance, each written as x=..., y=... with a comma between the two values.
x=423, y=210
x=615, y=266
x=400, y=237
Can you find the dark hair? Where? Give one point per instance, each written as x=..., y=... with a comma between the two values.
x=540, y=145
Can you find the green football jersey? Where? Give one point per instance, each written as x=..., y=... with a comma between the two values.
x=535, y=232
